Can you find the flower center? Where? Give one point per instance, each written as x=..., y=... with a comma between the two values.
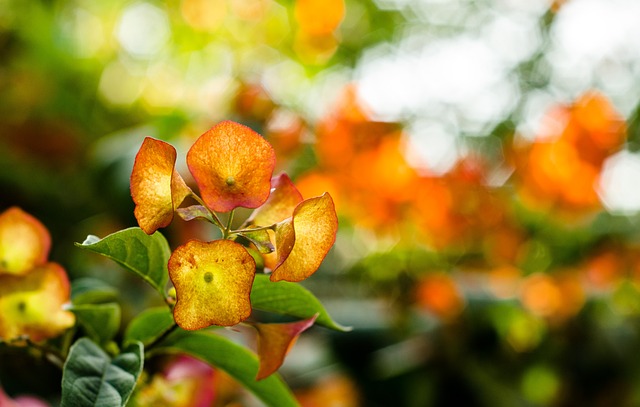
x=230, y=181
x=208, y=277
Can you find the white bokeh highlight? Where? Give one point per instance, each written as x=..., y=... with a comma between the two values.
x=619, y=188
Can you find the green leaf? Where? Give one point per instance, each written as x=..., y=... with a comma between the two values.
x=260, y=238
x=100, y=321
x=149, y=325
x=92, y=291
x=234, y=359
x=145, y=255
x=90, y=378
x=292, y=299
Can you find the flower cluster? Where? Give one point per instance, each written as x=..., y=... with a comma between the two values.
x=233, y=167
x=560, y=170
x=32, y=290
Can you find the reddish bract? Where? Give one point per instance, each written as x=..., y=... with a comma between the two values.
x=275, y=341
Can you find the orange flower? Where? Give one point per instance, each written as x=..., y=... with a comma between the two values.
x=156, y=188
x=32, y=305
x=213, y=282
x=24, y=242
x=304, y=240
x=232, y=166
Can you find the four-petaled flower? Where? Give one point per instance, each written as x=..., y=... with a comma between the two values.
x=232, y=166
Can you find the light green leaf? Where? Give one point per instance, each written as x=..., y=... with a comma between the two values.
x=91, y=379
x=292, y=299
x=149, y=325
x=100, y=321
x=142, y=254
x=234, y=359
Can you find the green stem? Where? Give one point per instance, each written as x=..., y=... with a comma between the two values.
x=227, y=230
x=161, y=337
x=52, y=355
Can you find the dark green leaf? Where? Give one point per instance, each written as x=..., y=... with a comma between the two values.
x=290, y=299
x=91, y=379
x=149, y=325
x=234, y=359
x=92, y=291
x=144, y=255
x=100, y=321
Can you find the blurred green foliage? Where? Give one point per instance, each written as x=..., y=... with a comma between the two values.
x=82, y=83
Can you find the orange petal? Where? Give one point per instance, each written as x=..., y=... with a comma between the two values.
x=280, y=205
x=282, y=202
x=213, y=282
x=32, y=305
x=24, y=242
x=156, y=188
x=274, y=342
x=304, y=240
x=232, y=166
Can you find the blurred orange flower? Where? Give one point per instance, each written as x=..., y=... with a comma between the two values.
x=24, y=242
x=555, y=297
x=560, y=170
x=32, y=292
x=439, y=294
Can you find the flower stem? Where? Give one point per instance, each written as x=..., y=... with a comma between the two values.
x=162, y=337
x=227, y=230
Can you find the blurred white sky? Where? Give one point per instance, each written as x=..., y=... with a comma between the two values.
x=453, y=73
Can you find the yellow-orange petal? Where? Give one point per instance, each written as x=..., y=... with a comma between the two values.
x=303, y=241
x=32, y=305
x=156, y=188
x=282, y=202
x=213, y=283
x=24, y=242
x=275, y=341
x=232, y=166
x=280, y=205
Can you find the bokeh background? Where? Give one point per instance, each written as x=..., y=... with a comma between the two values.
x=482, y=155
